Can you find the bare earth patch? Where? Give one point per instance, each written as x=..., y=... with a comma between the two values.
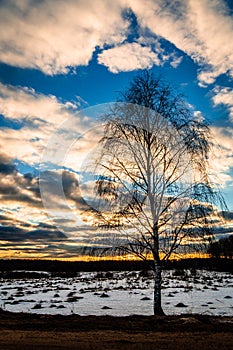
x=31, y=331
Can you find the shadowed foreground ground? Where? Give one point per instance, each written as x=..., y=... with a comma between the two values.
x=28, y=331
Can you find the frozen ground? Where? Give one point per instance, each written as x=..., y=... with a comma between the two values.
x=120, y=293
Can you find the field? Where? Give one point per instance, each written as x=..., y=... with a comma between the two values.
x=114, y=310
x=119, y=293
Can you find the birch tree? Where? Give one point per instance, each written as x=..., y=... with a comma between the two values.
x=153, y=195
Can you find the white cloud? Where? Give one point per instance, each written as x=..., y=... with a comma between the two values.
x=203, y=29
x=221, y=157
x=175, y=62
x=224, y=95
x=53, y=36
x=198, y=116
x=128, y=57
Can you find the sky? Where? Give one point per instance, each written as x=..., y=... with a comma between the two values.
x=57, y=57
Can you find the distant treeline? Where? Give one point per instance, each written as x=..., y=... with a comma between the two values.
x=222, y=248
x=15, y=268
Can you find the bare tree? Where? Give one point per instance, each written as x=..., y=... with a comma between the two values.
x=153, y=193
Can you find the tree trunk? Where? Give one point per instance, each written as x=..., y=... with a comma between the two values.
x=158, y=311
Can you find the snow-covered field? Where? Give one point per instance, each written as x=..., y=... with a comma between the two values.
x=120, y=293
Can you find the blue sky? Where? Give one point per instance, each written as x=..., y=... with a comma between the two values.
x=59, y=56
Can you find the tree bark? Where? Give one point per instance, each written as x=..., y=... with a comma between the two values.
x=158, y=311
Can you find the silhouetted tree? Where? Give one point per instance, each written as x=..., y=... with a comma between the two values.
x=153, y=193
x=223, y=248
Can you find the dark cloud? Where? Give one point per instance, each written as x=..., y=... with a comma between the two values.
x=46, y=235
x=45, y=240
x=227, y=215
x=72, y=190
x=7, y=168
x=12, y=234
x=8, y=220
x=222, y=231
x=19, y=235
x=17, y=187
x=25, y=188
x=6, y=165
